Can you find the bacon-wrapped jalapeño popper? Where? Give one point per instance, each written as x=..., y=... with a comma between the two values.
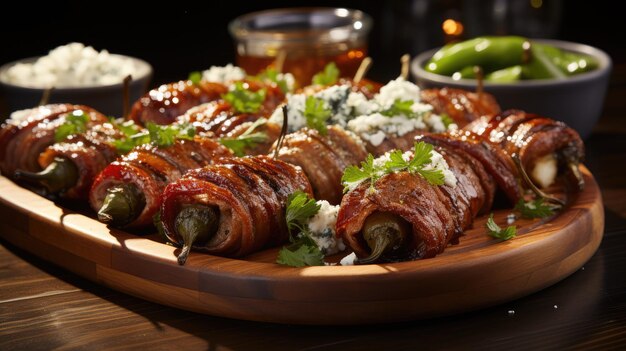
x=396, y=215
x=165, y=103
x=28, y=133
x=127, y=193
x=231, y=208
x=411, y=205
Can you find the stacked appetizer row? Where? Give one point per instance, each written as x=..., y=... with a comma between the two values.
x=231, y=164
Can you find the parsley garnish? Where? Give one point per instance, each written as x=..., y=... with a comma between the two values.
x=244, y=100
x=195, y=77
x=161, y=136
x=247, y=139
x=271, y=75
x=495, y=231
x=316, y=114
x=164, y=136
x=299, y=209
x=399, y=108
x=369, y=170
x=354, y=175
x=302, y=251
x=75, y=123
x=328, y=76
x=129, y=129
x=446, y=120
x=534, y=209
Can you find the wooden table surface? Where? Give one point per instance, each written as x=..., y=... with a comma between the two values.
x=43, y=307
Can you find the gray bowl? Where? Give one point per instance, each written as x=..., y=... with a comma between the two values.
x=576, y=100
x=104, y=98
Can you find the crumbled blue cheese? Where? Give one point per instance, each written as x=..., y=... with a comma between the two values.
x=510, y=218
x=369, y=123
x=20, y=115
x=399, y=89
x=72, y=65
x=349, y=260
x=295, y=113
x=223, y=74
x=438, y=162
x=361, y=105
x=334, y=98
x=435, y=123
x=375, y=127
x=322, y=229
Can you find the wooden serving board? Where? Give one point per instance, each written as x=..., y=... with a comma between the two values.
x=477, y=273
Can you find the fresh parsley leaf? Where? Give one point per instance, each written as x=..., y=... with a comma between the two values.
x=316, y=114
x=129, y=141
x=422, y=154
x=396, y=161
x=75, y=123
x=195, y=77
x=353, y=175
x=243, y=100
x=299, y=209
x=303, y=252
x=433, y=176
x=270, y=74
x=328, y=76
x=534, y=209
x=446, y=120
x=129, y=128
x=247, y=139
x=399, y=108
x=495, y=231
x=164, y=136
x=161, y=136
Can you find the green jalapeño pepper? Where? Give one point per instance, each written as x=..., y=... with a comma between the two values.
x=505, y=75
x=507, y=59
x=491, y=53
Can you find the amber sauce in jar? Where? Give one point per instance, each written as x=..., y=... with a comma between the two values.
x=309, y=38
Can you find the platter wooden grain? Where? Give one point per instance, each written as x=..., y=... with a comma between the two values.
x=478, y=272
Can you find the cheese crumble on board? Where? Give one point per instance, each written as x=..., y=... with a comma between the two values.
x=322, y=229
x=371, y=119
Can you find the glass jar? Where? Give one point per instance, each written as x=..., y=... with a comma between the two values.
x=306, y=38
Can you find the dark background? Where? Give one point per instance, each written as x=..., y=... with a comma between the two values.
x=181, y=36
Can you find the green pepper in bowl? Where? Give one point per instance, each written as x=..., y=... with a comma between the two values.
x=494, y=54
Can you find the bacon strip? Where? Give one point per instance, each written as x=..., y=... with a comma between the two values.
x=163, y=104
x=21, y=141
x=90, y=152
x=323, y=158
x=438, y=215
x=530, y=136
x=150, y=169
x=250, y=194
x=460, y=105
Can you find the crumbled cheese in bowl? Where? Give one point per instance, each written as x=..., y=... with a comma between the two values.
x=72, y=65
x=223, y=74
